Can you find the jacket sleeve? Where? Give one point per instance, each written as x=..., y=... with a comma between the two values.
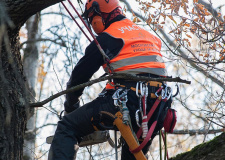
x=82, y=72
x=89, y=64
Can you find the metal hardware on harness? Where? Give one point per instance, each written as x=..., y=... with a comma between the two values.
x=166, y=92
x=144, y=123
x=143, y=88
x=139, y=86
x=121, y=100
x=137, y=117
x=176, y=91
x=139, y=95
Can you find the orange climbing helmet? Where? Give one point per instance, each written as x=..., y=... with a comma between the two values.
x=95, y=8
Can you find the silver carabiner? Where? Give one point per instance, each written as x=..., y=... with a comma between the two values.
x=137, y=118
x=164, y=92
x=169, y=93
x=145, y=92
x=116, y=96
x=139, y=85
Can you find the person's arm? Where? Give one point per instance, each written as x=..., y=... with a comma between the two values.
x=88, y=65
x=82, y=72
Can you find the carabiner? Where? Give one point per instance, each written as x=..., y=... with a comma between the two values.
x=168, y=93
x=164, y=92
x=116, y=96
x=137, y=118
x=139, y=85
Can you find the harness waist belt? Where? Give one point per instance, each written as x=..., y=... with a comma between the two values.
x=153, y=86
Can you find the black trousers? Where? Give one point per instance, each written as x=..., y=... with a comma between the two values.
x=77, y=124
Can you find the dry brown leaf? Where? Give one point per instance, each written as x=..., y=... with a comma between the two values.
x=188, y=35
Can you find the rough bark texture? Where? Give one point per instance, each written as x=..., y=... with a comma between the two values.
x=14, y=98
x=30, y=64
x=212, y=150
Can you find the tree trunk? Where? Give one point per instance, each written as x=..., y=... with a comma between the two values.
x=212, y=150
x=30, y=64
x=14, y=99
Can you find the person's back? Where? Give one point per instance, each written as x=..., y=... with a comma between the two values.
x=130, y=50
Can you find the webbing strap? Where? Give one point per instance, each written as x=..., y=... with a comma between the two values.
x=146, y=139
x=155, y=105
x=152, y=128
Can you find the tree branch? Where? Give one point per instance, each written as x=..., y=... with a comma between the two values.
x=182, y=53
x=42, y=40
x=202, y=131
x=19, y=10
x=115, y=75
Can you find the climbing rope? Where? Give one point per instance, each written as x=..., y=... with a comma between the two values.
x=105, y=57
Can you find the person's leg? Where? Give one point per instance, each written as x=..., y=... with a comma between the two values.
x=76, y=125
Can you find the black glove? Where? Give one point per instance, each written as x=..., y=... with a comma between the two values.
x=70, y=108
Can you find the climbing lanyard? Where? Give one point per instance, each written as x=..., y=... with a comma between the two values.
x=105, y=57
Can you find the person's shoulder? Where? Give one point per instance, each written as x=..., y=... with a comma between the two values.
x=102, y=39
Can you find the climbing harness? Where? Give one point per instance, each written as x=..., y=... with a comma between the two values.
x=165, y=95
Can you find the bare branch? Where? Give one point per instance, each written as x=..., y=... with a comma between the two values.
x=43, y=39
x=182, y=53
x=201, y=131
x=115, y=75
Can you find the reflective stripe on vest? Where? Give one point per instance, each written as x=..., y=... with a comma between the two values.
x=141, y=50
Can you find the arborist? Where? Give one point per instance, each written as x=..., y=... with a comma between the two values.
x=130, y=49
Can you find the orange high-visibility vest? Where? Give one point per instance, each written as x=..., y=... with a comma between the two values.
x=141, y=50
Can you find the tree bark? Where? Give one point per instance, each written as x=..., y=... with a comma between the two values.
x=14, y=95
x=212, y=150
x=30, y=64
